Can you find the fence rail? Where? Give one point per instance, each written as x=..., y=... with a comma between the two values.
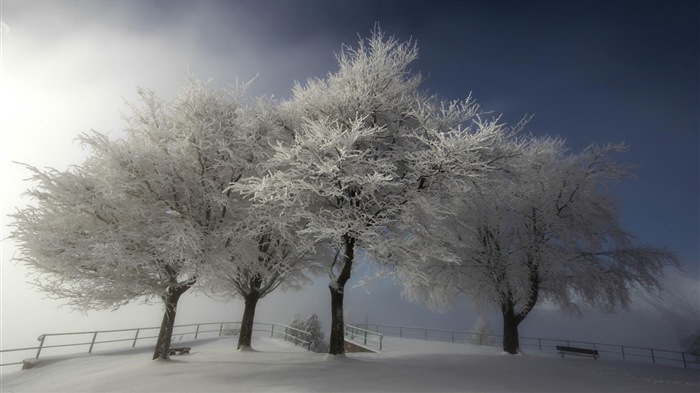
x=612, y=351
x=292, y=334
x=103, y=338
x=366, y=333
x=367, y=337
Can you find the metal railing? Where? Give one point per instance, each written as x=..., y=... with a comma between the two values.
x=129, y=338
x=610, y=351
x=366, y=337
x=292, y=334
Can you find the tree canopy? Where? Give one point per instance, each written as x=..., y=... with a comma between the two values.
x=543, y=229
x=367, y=143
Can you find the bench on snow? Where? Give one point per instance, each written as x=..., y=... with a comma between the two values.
x=179, y=351
x=578, y=351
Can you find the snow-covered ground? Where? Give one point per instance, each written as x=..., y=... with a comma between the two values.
x=404, y=366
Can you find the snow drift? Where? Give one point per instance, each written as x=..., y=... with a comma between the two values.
x=404, y=366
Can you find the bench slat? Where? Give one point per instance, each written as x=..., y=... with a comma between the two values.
x=578, y=351
x=179, y=351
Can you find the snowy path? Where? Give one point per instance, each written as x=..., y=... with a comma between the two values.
x=404, y=366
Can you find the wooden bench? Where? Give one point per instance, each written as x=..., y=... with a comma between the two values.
x=179, y=351
x=578, y=351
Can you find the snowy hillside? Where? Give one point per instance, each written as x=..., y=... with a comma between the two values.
x=404, y=366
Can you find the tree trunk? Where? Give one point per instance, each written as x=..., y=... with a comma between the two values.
x=337, y=344
x=511, y=319
x=166, y=327
x=337, y=288
x=246, y=335
x=511, y=339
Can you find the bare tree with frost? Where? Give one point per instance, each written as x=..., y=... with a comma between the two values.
x=270, y=254
x=310, y=330
x=147, y=216
x=545, y=229
x=255, y=254
x=368, y=144
x=101, y=247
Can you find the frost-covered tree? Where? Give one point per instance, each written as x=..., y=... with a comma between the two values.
x=272, y=260
x=72, y=238
x=312, y=325
x=368, y=146
x=266, y=253
x=545, y=229
x=101, y=248
x=484, y=333
x=147, y=216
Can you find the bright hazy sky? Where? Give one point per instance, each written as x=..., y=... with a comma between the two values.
x=592, y=72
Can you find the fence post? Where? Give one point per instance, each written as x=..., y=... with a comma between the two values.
x=94, y=336
x=453, y=336
x=653, y=360
x=41, y=345
x=539, y=342
x=221, y=329
x=426, y=334
x=136, y=337
x=685, y=365
x=365, y=337
x=196, y=333
x=285, y=333
x=622, y=347
x=400, y=333
x=272, y=331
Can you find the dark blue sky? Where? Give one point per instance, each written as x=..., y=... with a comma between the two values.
x=593, y=72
